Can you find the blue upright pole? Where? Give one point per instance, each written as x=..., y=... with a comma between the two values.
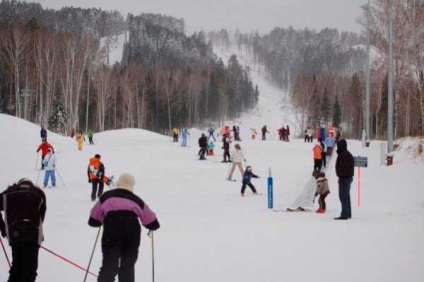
x=270, y=191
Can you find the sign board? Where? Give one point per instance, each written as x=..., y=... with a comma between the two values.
x=270, y=193
x=361, y=161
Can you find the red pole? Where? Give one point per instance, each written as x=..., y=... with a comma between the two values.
x=68, y=261
x=359, y=187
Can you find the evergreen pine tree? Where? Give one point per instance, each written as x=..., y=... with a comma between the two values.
x=337, y=113
x=57, y=117
x=325, y=107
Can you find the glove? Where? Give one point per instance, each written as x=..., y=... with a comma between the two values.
x=89, y=180
x=3, y=232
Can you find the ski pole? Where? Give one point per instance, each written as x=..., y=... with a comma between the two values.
x=38, y=177
x=150, y=234
x=36, y=161
x=60, y=176
x=4, y=250
x=92, y=254
x=228, y=171
x=68, y=261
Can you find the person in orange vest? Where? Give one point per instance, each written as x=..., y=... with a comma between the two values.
x=317, y=158
x=96, y=176
x=44, y=146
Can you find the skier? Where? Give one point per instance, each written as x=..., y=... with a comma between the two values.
x=175, y=134
x=264, y=132
x=90, y=135
x=44, y=146
x=237, y=157
x=322, y=190
x=43, y=134
x=317, y=158
x=287, y=133
x=211, y=146
x=323, y=152
x=184, y=134
x=72, y=132
x=310, y=135
x=344, y=171
x=284, y=132
x=120, y=212
x=24, y=207
x=253, y=132
x=50, y=166
x=211, y=133
x=330, y=142
x=226, y=146
x=96, y=174
x=247, y=176
x=236, y=133
x=203, y=144
x=80, y=140
x=280, y=133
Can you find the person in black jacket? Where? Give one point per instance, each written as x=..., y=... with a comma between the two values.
x=203, y=144
x=344, y=171
x=25, y=207
x=226, y=146
x=120, y=212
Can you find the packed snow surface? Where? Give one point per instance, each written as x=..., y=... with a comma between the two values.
x=208, y=231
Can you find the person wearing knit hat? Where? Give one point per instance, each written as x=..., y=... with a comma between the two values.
x=120, y=212
x=126, y=181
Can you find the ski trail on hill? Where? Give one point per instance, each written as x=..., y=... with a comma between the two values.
x=274, y=108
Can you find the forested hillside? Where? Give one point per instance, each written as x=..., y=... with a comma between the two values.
x=53, y=71
x=325, y=70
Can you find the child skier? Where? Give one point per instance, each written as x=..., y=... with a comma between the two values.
x=49, y=164
x=211, y=146
x=317, y=158
x=80, y=140
x=253, y=132
x=247, y=176
x=322, y=190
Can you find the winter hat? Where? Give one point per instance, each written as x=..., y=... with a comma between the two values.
x=25, y=183
x=97, y=156
x=126, y=181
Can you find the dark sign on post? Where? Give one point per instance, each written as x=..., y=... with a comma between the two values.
x=361, y=161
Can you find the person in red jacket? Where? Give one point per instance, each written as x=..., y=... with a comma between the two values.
x=44, y=146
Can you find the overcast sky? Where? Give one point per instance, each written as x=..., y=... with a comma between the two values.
x=247, y=15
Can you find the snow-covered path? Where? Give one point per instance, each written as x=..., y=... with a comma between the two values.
x=210, y=233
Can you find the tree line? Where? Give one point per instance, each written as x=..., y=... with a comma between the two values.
x=55, y=74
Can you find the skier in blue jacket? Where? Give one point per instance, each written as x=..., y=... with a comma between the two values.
x=247, y=177
x=184, y=134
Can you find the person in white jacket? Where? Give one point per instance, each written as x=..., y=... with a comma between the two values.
x=237, y=157
x=50, y=167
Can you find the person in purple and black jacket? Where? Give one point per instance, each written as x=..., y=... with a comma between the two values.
x=119, y=211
